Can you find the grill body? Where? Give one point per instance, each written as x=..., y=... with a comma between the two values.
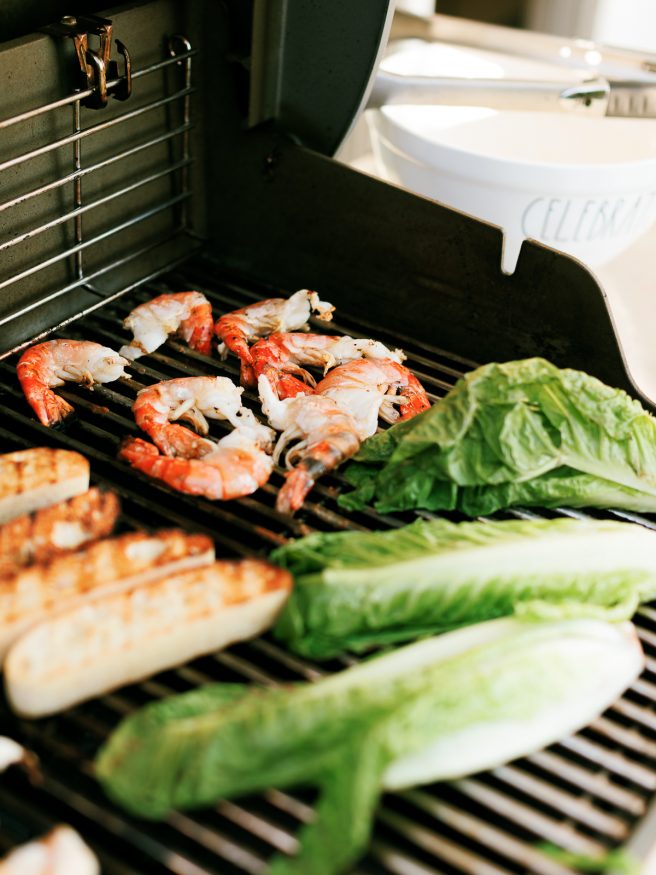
x=174, y=190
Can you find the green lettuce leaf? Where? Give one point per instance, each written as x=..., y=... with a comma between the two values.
x=563, y=487
x=354, y=590
x=435, y=709
x=509, y=424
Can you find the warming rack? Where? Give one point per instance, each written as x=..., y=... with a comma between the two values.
x=164, y=190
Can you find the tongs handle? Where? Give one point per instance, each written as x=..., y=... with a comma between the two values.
x=589, y=97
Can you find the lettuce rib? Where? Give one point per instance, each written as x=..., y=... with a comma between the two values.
x=358, y=589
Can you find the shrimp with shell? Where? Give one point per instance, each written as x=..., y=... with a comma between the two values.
x=48, y=365
x=236, y=330
x=317, y=436
x=186, y=314
x=369, y=389
x=236, y=466
x=281, y=356
x=194, y=399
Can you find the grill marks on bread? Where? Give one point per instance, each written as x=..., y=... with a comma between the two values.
x=41, y=536
x=126, y=636
x=115, y=563
x=40, y=477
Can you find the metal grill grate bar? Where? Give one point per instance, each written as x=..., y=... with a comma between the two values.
x=94, y=129
x=93, y=168
x=79, y=211
x=93, y=241
x=87, y=92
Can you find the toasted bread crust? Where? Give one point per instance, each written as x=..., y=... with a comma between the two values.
x=26, y=470
x=41, y=536
x=126, y=636
x=40, y=477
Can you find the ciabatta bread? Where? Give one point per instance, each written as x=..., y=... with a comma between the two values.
x=30, y=479
x=127, y=636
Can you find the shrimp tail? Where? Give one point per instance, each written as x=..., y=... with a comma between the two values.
x=415, y=398
x=237, y=343
x=136, y=450
x=201, y=339
x=52, y=410
x=146, y=458
x=291, y=495
x=201, y=324
x=49, y=408
x=317, y=460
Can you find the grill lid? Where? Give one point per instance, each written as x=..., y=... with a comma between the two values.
x=312, y=65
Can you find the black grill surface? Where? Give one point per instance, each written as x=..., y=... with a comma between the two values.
x=586, y=795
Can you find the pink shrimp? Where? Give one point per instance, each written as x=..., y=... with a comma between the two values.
x=50, y=364
x=280, y=358
x=236, y=467
x=188, y=314
x=241, y=327
x=322, y=434
x=193, y=399
x=367, y=389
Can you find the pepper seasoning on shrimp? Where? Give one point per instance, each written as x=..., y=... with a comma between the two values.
x=241, y=327
x=193, y=399
x=48, y=365
x=280, y=357
x=187, y=314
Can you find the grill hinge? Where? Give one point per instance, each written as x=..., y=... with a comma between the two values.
x=97, y=71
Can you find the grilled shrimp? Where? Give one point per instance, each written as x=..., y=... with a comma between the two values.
x=188, y=314
x=235, y=467
x=52, y=363
x=323, y=436
x=193, y=399
x=241, y=327
x=281, y=355
x=367, y=389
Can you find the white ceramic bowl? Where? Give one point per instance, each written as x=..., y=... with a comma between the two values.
x=584, y=185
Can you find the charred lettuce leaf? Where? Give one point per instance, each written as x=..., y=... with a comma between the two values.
x=506, y=425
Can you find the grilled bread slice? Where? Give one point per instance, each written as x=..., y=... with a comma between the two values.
x=124, y=637
x=30, y=479
x=54, y=531
x=60, y=852
x=115, y=563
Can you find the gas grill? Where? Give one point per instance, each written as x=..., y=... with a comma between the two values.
x=171, y=189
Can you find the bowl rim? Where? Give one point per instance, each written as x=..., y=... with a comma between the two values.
x=588, y=169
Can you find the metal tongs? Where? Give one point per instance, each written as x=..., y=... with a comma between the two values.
x=597, y=95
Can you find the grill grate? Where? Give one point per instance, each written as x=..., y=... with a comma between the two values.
x=587, y=795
